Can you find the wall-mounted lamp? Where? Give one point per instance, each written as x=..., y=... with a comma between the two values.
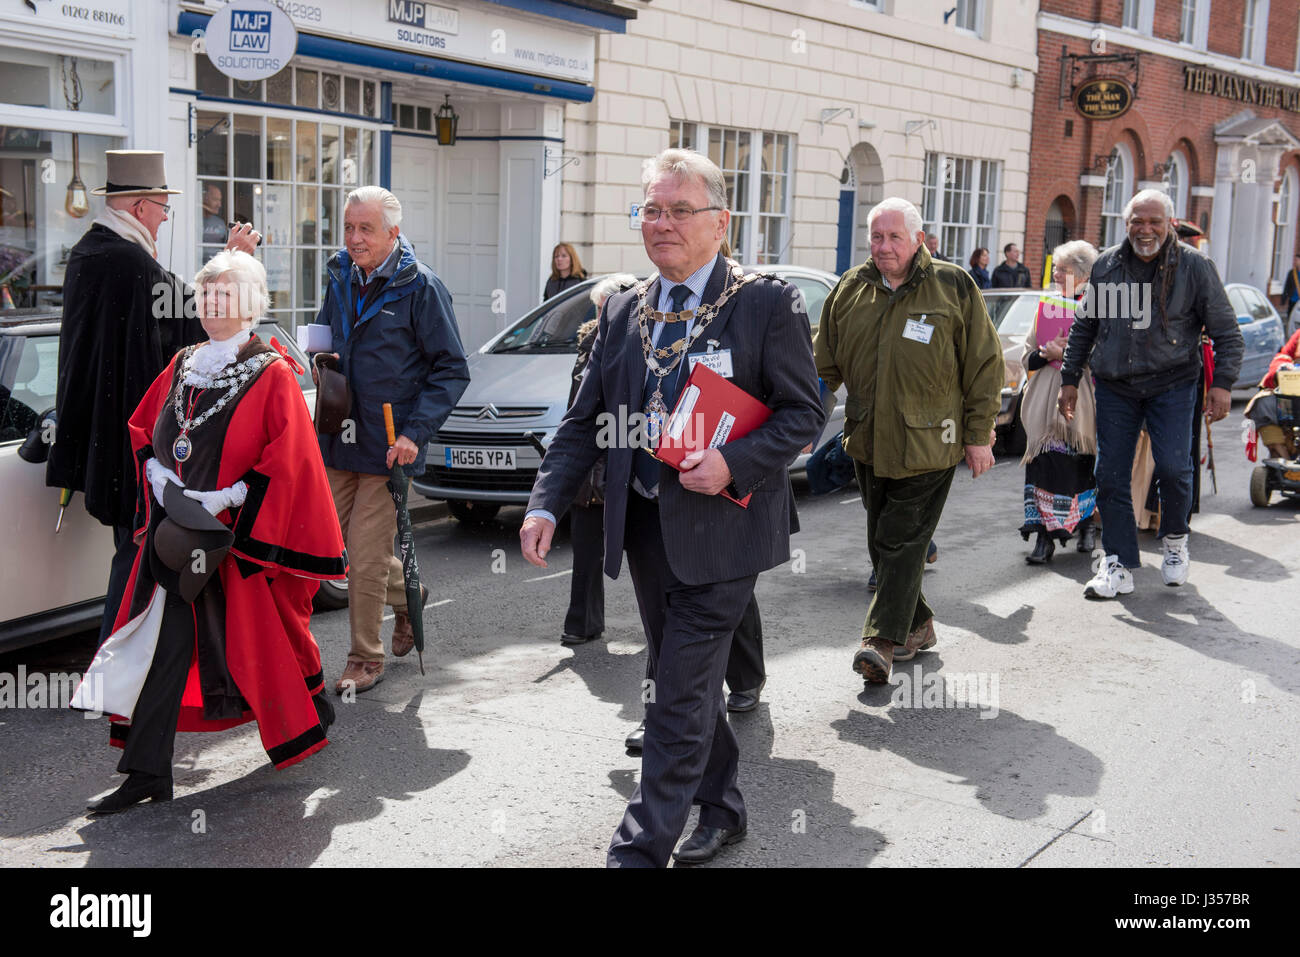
x=445, y=122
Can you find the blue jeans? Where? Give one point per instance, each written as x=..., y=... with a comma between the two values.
x=1168, y=420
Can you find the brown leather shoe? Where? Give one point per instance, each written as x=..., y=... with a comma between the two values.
x=403, y=634
x=874, y=660
x=920, y=640
x=364, y=675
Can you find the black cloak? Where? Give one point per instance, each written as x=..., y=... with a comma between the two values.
x=124, y=317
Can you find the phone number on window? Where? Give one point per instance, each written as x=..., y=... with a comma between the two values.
x=300, y=11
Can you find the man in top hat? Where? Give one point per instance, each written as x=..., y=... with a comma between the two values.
x=124, y=317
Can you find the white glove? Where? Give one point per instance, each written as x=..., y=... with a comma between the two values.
x=222, y=499
x=158, y=475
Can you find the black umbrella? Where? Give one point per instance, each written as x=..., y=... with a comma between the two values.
x=397, y=485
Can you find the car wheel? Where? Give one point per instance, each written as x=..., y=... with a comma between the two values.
x=473, y=513
x=1260, y=493
x=331, y=596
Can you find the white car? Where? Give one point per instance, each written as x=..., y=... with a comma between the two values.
x=53, y=585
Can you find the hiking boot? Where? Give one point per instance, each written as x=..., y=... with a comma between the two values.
x=874, y=660
x=920, y=640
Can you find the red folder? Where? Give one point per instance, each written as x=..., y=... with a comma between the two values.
x=710, y=412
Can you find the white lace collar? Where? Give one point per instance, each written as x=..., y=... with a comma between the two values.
x=209, y=359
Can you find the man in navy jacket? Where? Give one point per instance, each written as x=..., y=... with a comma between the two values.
x=396, y=337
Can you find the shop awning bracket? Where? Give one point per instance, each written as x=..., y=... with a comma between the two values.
x=195, y=139
x=557, y=156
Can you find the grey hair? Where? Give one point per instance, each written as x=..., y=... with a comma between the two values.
x=377, y=194
x=246, y=272
x=896, y=204
x=1150, y=196
x=1078, y=255
x=676, y=162
x=610, y=285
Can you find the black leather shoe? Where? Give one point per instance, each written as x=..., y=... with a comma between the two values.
x=1044, y=548
x=1087, y=537
x=705, y=842
x=636, y=740
x=742, y=701
x=136, y=788
x=568, y=639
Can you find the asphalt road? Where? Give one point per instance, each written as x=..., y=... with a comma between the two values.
x=1158, y=729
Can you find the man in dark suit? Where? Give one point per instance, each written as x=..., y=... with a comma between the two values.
x=694, y=556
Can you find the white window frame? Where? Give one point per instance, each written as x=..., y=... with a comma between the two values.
x=74, y=121
x=1195, y=34
x=1284, y=222
x=1115, y=195
x=743, y=233
x=1254, y=31
x=876, y=5
x=1138, y=16
x=1176, y=182
x=972, y=12
x=941, y=190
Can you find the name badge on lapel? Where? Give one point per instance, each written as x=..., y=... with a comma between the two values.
x=918, y=330
x=719, y=361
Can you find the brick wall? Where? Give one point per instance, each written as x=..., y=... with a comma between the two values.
x=1280, y=45
x=1163, y=117
x=1227, y=18
x=737, y=64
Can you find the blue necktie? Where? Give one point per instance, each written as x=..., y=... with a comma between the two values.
x=646, y=467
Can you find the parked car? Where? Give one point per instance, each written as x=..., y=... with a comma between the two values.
x=488, y=451
x=1261, y=330
x=53, y=585
x=1013, y=312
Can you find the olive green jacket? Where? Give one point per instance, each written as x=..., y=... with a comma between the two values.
x=912, y=405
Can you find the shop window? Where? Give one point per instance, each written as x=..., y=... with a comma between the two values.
x=410, y=116
x=287, y=176
x=36, y=230
x=959, y=203
x=292, y=86
x=1284, y=228
x=51, y=81
x=1119, y=187
x=756, y=166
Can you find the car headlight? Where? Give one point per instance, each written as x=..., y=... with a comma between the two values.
x=1015, y=375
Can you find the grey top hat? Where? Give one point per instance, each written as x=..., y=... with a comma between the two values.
x=135, y=173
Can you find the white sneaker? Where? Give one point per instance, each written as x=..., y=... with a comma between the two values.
x=1177, y=560
x=1111, y=579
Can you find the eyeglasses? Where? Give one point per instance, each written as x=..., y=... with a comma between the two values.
x=677, y=214
x=165, y=208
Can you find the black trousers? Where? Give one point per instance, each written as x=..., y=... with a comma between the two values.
x=690, y=754
x=902, y=515
x=151, y=739
x=586, y=615
x=119, y=571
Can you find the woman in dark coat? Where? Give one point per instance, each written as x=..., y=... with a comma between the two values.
x=237, y=527
x=979, y=268
x=566, y=270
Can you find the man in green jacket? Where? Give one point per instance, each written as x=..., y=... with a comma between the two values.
x=912, y=342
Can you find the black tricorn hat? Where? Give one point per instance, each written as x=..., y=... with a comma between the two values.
x=189, y=543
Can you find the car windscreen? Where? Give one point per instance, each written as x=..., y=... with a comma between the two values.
x=1012, y=315
x=550, y=328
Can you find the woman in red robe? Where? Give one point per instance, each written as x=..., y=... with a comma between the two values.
x=196, y=648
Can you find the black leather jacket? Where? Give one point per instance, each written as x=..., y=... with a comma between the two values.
x=1121, y=331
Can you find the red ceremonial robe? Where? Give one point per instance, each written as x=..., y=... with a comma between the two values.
x=286, y=539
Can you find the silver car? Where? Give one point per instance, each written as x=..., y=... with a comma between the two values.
x=488, y=451
x=53, y=585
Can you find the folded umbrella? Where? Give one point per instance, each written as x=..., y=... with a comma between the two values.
x=397, y=486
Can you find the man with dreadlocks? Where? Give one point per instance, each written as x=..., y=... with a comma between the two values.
x=1149, y=300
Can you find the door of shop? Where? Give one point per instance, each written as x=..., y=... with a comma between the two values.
x=450, y=200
